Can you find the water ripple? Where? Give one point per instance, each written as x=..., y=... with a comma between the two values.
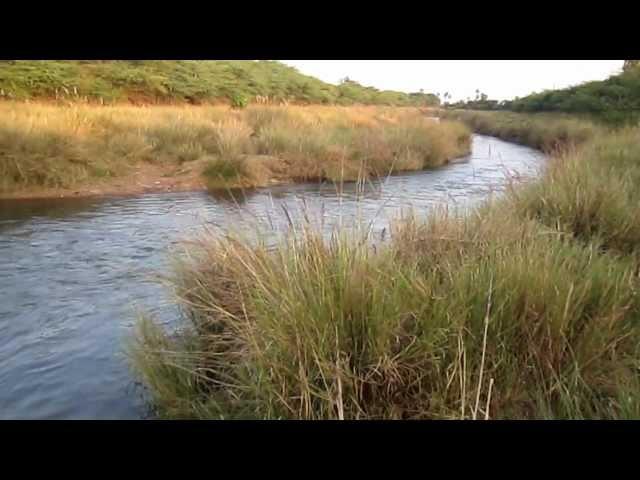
x=74, y=271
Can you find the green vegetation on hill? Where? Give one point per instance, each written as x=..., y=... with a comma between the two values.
x=615, y=100
x=163, y=81
x=544, y=131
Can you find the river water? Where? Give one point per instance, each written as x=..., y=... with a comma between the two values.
x=74, y=273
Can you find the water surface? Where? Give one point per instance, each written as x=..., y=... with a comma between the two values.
x=74, y=272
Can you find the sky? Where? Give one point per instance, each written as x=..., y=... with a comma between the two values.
x=499, y=79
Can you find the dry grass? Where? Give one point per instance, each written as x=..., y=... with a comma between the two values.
x=591, y=193
x=525, y=309
x=545, y=131
x=484, y=317
x=54, y=146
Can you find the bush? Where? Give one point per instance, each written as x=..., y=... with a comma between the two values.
x=239, y=101
x=614, y=101
x=185, y=81
x=455, y=318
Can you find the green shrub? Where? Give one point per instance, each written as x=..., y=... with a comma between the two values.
x=196, y=82
x=239, y=101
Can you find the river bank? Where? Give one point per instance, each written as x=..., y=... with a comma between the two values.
x=142, y=178
x=524, y=308
x=81, y=150
x=551, y=133
x=78, y=271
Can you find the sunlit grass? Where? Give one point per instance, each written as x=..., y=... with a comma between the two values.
x=488, y=317
x=526, y=308
x=56, y=146
x=544, y=131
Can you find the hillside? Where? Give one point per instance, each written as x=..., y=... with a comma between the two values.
x=168, y=81
x=615, y=100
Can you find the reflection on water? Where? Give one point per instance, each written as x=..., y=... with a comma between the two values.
x=13, y=212
x=73, y=272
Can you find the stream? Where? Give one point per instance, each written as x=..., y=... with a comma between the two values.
x=75, y=273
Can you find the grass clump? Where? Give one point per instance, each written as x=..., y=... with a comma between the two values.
x=590, y=193
x=588, y=190
x=527, y=308
x=455, y=318
x=546, y=132
x=339, y=144
x=225, y=170
x=45, y=146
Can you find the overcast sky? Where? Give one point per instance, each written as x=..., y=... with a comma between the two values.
x=499, y=79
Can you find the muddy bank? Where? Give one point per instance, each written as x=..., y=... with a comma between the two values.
x=150, y=178
x=144, y=178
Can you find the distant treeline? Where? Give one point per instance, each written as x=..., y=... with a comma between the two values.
x=162, y=81
x=614, y=100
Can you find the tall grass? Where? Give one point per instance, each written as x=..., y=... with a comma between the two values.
x=547, y=132
x=52, y=146
x=348, y=143
x=591, y=193
x=456, y=318
x=527, y=308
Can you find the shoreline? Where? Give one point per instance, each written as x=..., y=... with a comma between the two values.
x=542, y=281
x=143, y=178
x=94, y=152
x=146, y=179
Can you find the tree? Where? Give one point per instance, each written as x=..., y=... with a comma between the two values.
x=630, y=64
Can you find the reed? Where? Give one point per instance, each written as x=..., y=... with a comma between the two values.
x=47, y=146
x=526, y=308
